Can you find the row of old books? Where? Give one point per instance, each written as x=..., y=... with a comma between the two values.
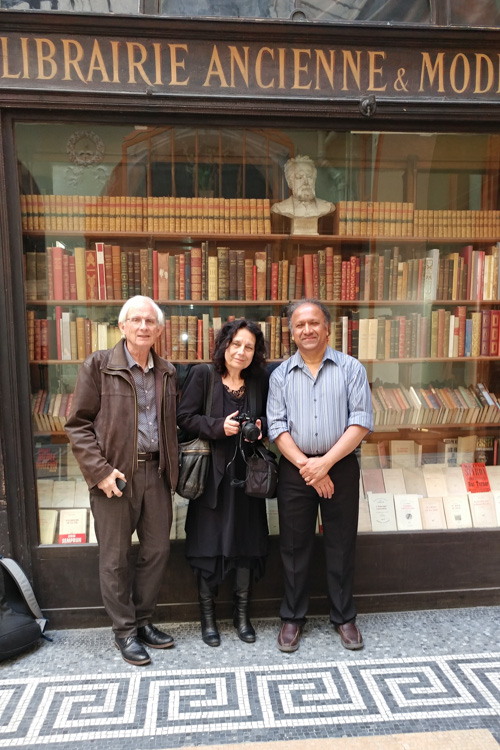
x=50, y=410
x=442, y=334
x=68, y=336
x=165, y=214
x=466, y=448
x=111, y=272
x=398, y=405
x=402, y=219
x=184, y=337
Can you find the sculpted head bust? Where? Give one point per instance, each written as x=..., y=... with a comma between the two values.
x=302, y=206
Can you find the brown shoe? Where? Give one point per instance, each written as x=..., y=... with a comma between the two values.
x=350, y=635
x=289, y=637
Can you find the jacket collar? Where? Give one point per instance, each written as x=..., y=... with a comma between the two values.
x=118, y=360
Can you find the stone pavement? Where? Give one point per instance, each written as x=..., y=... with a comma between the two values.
x=420, y=674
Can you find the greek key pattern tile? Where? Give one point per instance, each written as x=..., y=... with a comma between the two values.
x=418, y=693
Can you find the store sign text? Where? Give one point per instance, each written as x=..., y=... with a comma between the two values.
x=163, y=67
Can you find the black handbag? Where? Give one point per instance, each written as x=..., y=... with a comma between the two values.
x=194, y=457
x=261, y=476
x=262, y=472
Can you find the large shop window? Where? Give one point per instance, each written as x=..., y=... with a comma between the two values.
x=408, y=263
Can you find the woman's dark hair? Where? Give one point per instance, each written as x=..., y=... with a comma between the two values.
x=224, y=338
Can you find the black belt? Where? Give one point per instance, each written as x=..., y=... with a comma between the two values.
x=148, y=456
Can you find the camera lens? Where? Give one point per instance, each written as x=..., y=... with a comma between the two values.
x=250, y=431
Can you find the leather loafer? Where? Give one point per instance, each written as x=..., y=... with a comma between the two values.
x=154, y=638
x=289, y=637
x=132, y=651
x=350, y=635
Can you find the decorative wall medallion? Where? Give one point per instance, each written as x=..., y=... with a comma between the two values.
x=85, y=148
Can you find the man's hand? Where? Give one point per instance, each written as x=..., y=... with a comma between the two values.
x=314, y=469
x=324, y=487
x=108, y=485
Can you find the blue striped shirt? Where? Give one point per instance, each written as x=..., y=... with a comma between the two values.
x=145, y=386
x=317, y=411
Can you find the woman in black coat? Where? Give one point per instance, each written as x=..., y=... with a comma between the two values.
x=226, y=530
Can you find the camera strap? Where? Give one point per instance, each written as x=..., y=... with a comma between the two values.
x=252, y=406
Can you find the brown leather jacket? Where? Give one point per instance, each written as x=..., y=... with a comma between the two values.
x=102, y=424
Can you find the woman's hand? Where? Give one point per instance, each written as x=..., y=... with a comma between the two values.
x=230, y=426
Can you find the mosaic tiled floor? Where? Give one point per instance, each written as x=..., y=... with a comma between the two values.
x=378, y=696
x=420, y=673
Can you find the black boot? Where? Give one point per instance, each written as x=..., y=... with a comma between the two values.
x=241, y=622
x=206, y=594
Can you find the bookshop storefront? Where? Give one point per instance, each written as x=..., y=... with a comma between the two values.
x=148, y=157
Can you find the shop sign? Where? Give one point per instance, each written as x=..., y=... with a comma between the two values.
x=200, y=68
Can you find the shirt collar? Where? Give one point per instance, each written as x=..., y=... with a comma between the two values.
x=297, y=361
x=132, y=363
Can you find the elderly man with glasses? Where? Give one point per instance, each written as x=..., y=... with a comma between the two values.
x=122, y=430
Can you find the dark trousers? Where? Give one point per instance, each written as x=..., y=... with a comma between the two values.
x=130, y=596
x=298, y=510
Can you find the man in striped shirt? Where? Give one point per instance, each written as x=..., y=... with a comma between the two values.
x=318, y=410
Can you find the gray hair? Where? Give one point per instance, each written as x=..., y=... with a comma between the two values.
x=299, y=303
x=139, y=299
x=293, y=163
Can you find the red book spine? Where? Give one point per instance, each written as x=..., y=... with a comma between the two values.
x=494, y=333
x=72, y=277
x=65, y=267
x=274, y=281
x=352, y=278
x=343, y=280
x=308, y=276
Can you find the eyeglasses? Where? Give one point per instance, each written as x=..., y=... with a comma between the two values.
x=136, y=322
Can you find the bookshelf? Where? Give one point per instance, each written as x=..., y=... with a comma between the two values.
x=413, y=288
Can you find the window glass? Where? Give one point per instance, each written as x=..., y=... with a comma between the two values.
x=400, y=238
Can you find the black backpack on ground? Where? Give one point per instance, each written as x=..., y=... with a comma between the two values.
x=21, y=620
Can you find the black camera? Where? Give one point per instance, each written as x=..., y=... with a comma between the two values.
x=249, y=429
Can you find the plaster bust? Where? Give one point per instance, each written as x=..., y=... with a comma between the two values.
x=302, y=207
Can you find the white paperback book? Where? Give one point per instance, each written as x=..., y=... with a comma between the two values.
x=45, y=488
x=382, y=512
x=432, y=513
x=482, y=508
x=394, y=481
x=457, y=511
x=407, y=512
x=435, y=480
x=455, y=482
x=494, y=477
x=63, y=495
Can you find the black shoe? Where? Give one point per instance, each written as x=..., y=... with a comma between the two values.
x=132, y=651
x=153, y=637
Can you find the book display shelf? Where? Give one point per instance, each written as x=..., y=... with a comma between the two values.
x=408, y=264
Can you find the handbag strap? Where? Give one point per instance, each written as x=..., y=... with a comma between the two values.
x=210, y=392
